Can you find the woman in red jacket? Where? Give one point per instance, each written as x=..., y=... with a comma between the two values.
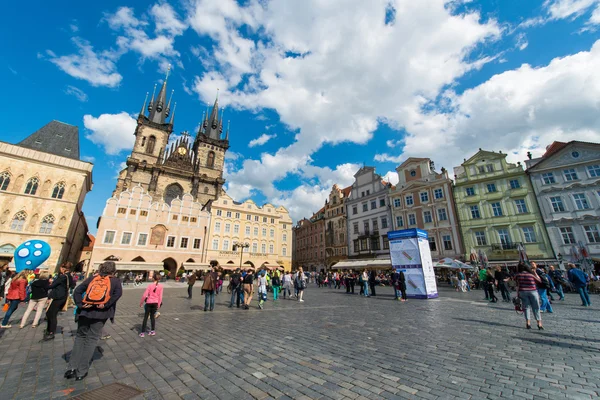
x=16, y=294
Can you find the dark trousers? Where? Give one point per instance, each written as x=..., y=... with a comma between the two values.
x=362, y=288
x=403, y=291
x=490, y=289
x=352, y=286
x=486, y=290
x=190, y=291
x=347, y=285
x=372, y=288
x=149, y=311
x=52, y=314
x=504, y=290
x=86, y=340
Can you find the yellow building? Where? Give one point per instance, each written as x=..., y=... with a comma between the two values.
x=266, y=229
x=42, y=188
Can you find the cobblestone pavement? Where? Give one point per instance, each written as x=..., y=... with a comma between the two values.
x=331, y=346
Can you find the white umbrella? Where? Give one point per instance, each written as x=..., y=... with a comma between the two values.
x=452, y=264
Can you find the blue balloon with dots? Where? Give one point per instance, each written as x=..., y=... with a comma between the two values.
x=31, y=254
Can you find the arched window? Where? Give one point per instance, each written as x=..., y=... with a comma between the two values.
x=47, y=224
x=18, y=221
x=58, y=191
x=4, y=180
x=32, y=186
x=172, y=192
x=151, y=144
x=210, y=160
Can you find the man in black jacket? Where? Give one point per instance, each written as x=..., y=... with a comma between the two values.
x=59, y=293
x=235, y=281
x=91, y=321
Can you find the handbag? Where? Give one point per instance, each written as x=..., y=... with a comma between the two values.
x=5, y=307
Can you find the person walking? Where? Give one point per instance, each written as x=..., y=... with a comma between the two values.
x=248, y=289
x=364, y=281
x=462, y=281
x=151, y=301
x=262, y=289
x=542, y=287
x=276, y=284
x=402, y=285
x=39, y=297
x=351, y=281
x=558, y=278
x=191, y=281
x=235, y=284
x=96, y=298
x=288, y=284
x=527, y=280
x=394, y=278
x=501, y=279
x=580, y=280
x=300, y=284
x=489, y=276
x=17, y=292
x=209, y=288
x=483, y=281
x=372, y=280
x=58, y=294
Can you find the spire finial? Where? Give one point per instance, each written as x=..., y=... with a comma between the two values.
x=142, y=111
x=151, y=105
x=227, y=132
x=169, y=104
x=217, y=94
x=167, y=75
x=173, y=115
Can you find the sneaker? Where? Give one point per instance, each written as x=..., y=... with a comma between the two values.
x=301, y=301
x=152, y=333
x=105, y=337
x=156, y=314
x=142, y=334
x=5, y=326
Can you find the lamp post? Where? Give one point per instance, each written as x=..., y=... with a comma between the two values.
x=559, y=257
x=241, y=246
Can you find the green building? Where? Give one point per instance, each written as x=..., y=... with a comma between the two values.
x=497, y=210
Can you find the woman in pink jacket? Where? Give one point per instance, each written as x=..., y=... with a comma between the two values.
x=151, y=301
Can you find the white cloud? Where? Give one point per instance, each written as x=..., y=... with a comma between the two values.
x=385, y=157
x=560, y=9
x=167, y=20
x=262, y=139
x=112, y=131
x=521, y=41
x=98, y=69
x=393, y=143
x=78, y=93
x=88, y=158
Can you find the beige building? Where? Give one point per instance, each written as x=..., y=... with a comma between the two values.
x=423, y=199
x=336, y=244
x=266, y=229
x=42, y=188
x=144, y=235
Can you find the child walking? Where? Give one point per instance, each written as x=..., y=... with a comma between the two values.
x=151, y=301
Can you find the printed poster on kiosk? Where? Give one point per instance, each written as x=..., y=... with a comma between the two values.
x=409, y=253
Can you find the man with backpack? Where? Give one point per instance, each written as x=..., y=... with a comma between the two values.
x=98, y=304
x=235, y=283
x=580, y=280
x=543, y=286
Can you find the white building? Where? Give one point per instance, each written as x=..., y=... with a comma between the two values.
x=566, y=181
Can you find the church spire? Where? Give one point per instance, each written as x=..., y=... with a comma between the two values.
x=212, y=123
x=159, y=112
x=143, y=110
x=173, y=115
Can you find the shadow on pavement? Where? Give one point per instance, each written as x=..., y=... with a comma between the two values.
x=485, y=322
x=569, y=346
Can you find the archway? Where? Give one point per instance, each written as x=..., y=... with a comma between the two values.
x=190, y=260
x=249, y=264
x=230, y=262
x=139, y=259
x=111, y=258
x=169, y=264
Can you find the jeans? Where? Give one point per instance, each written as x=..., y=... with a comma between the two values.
x=52, y=314
x=585, y=297
x=41, y=304
x=190, y=291
x=275, y=292
x=88, y=332
x=209, y=300
x=14, y=304
x=286, y=289
x=485, y=290
x=545, y=303
x=149, y=311
x=235, y=297
x=504, y=290
x=531, y=301
x=559, y=291
x=366, y=288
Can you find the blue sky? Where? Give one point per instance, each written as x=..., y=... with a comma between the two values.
x=313, y=89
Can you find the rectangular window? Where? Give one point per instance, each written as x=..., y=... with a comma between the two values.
x=480, y=238
x=197, y=243
x=567, y=235
x=256, y=218
x=375, y=225
x=368, y=192
x=557, y=204
x=271, y=249
x=226, y=245
x=365, y=207
x=470, y=191
x=227, y=228
x=355, y=227
x=247, y=230
x=570, y=174
x=183, y=243
x=409, y=200
x=481, y=169
x=354, y=210
x=384, y=224
x=594, y=170
x=175, y=217
x=248, y=217
x=121, y=210
x=521, y=206
x=504, y=236
x=132, y=211
x=219, y=213
x=143, y=213
x=491, y=188
x=366, y=226
x=427, y=216
x=490, y=168
x=193, y=219
x=373, y=204
x=265, y=219
x=397, y=202
x=356, y=246
x=109, y=237
x=142, y=239
x=442, y=216
x=399, y=221
x=284, y=238
x=217, y=227
x=432, y=244
x=272, y=233
x=381, y=202
x=237, y=215
x=185, y=218
x=215, y=245
x=386, y=242
x=375, y=245
x=548, y=178
x=236, y=229
x=475, y=212
x=424, y=197
x=412, y=219
x=591, y=231
x=254, y=247
x=447, y=242
x=497, y=209
x=581, y=201
x=284, y=251
x=126, y=238
x=263, y=248
x=529, y=234
x=171, y=241
x=264, y=231
x=438, y=193
x=228, y=214
x=514, y=184
x=255, y=231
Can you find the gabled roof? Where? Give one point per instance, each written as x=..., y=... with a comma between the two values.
x=554, y=149
x=485, y=153
x=346, y=191
x=55, y=138
x=411, y=160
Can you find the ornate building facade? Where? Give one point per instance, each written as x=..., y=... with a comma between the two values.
x=309, y=242
x=42, y=188
x=423, y=199
x=566, y=181
x=497, y=209
x=267, y=230
x=336, y=234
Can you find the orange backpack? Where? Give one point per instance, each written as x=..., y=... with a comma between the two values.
x=98, y=291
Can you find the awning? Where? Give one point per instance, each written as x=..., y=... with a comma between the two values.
x=379, y=263
x=196, y=266
x=133, y=266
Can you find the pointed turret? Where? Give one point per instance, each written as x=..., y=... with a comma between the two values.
x=173, y=115
x=169, y=105
x=158, y=112
x=143, y=110
x=227, y=132
x=212, y=123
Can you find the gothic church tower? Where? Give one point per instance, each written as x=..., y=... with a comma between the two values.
x=168, y=171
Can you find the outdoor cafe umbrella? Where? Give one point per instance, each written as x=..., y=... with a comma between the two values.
x=451, y=264
x=483, y=258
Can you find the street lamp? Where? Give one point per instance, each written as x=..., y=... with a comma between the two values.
x=241, y=246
